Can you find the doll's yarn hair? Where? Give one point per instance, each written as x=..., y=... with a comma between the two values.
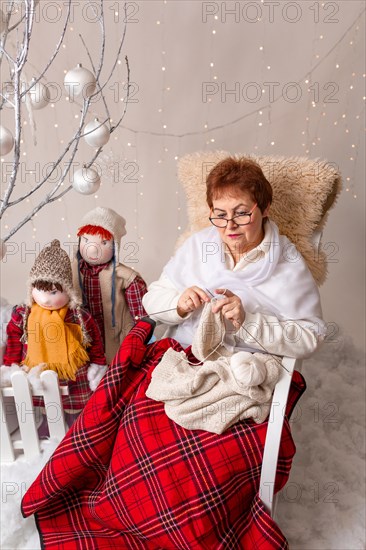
x=47, y=285
x=95, y=230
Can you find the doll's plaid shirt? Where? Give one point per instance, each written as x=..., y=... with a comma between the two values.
x=93, y=294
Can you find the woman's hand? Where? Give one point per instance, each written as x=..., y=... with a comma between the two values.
x=231, y=307
x=191, y=299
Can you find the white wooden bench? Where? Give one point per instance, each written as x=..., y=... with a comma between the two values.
x=19, y=419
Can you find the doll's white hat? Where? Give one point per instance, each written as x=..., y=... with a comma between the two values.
x=107, y=219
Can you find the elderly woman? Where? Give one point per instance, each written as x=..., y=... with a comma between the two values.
x=128, y=476
x=268, y=297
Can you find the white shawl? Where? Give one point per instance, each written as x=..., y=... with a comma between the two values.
x=279, y=283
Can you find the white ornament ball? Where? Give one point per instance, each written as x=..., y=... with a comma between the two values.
x=6, y=141
x=80, y=81
x=2, y=249
x=99, y=134
x=86, y=181
x=40, y=95
x=3, y=21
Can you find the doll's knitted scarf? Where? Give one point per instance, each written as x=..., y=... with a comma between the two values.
x=54, y=342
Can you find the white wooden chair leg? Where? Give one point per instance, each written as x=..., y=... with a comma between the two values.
x=274, y=431
x=26, y=415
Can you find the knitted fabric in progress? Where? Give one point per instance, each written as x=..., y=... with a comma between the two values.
x=209, y=396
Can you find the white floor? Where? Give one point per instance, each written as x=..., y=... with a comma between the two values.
x=18, y=533
x=323, y=504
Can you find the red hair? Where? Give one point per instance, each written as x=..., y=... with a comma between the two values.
x=241, y=175
x=95, y=230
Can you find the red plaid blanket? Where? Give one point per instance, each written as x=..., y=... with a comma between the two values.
x=127, y=477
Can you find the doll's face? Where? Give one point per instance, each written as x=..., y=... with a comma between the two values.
x=95, y=250
x=50, y=299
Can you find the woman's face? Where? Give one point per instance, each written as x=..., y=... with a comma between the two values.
x=239, y=238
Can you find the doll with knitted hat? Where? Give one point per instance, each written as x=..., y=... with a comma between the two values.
x=52, y=331
x=110, y=290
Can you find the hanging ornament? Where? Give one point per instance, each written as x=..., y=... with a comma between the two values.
x=80, y=81
x=2, y=249
x=86, y=181
x=97, y=134
x=39, y=94
x=6, y=141
x=3, y=21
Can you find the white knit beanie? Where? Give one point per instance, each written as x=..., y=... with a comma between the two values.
x=109, y=220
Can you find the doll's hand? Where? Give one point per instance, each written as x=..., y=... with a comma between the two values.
x=6, y=372
x=95, y=374
x=34, y=376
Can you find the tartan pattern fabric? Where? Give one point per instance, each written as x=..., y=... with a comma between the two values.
x=127, y=477
x=15, y=351
x=92, y=293
x=133, y=294
x=79, y=391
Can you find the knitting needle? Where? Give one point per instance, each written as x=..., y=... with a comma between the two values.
x=209, y=291
x=137, y=318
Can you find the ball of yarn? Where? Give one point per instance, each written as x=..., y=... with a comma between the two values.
x=247, y=369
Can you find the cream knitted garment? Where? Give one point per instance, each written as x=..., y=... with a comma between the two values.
x=210, y=396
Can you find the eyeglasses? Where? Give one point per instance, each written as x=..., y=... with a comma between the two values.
x=239, y=219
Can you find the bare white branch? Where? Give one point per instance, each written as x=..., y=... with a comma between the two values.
x=67, y=157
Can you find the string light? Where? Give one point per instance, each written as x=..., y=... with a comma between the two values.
x=259, y=114
x=269, y=105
